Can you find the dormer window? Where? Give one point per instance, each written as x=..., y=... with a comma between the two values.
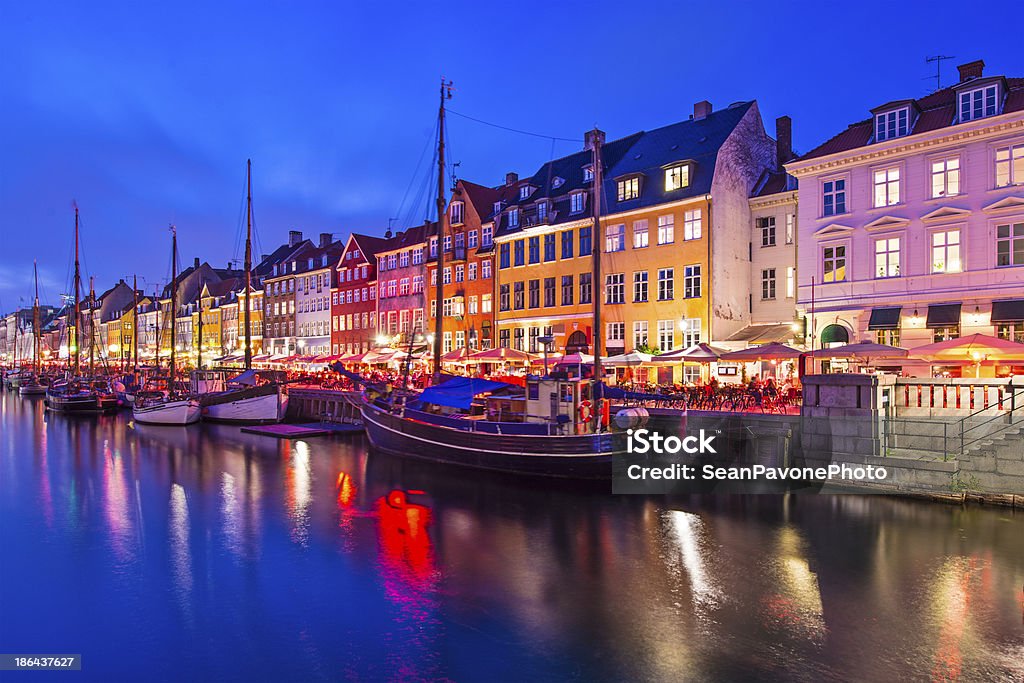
x=628, y=188
x=323, y=261
x=524, y=192
x=513, y=218
x=588, y=173
x=542, y=211
x=557, y=182
x=310, y=266
x=498, y=206
x=577, y=202
x=892, y=124
x=456, y=213
x=677, y=177
x=979, y=103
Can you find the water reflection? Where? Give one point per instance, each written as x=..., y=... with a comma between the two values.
x=181, y=553
x=298, y=489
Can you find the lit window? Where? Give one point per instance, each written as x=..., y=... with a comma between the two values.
x=640, y=236
x=628, y=189
x=834, y=264
x=666, y=229
x=1010, y=245
x=892, y=124
x=1010, y=166
x=976, y=104
x=790, y=227
x=524, y=191
x=946, y=251
x=946, y=177
x=588, y=173
x=615, y=238
x=677, y=177
x=887, y=186
x=692, y=224
x=790, y=282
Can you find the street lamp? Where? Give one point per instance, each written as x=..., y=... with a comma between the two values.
x=546, y=340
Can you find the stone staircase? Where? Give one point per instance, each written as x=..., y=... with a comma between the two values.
x=996, y=461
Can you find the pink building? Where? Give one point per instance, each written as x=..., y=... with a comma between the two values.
x=911, y=222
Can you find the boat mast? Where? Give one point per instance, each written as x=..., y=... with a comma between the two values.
x=159, y=314
x=446, y=93
x=35, y=322
x=248, y=262
x=174, y=297
x=135, y=321
x=92, y=326
x=73, y=342
x=595, y=286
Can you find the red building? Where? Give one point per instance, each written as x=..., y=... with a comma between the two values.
x=354, y=296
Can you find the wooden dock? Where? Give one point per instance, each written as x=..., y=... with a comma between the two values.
x=283, y=431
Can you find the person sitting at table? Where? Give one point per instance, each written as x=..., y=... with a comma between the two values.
x=754, y=390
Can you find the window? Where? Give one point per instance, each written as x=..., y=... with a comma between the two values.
x=472, y=239
x=446, y=345
x=1010, y=166
x=767, y=225
x=946, y=333
x=455, y=212
x=887, y=186
x=524, y=191
x=615, y=238
x=1011, y=332
x=691, y=281
x=460, y=272
x=485, y=303
x=417, y=284
x=833, y=197
x=534, y=293
x=534, y=334
x=615, y=288
x=666, y=229
x=504, y=253
x=503, y=298
x=447, y=244
x=691, y=331
x=472, y=271
x=640, y=335
x=976, y=104
x=692, y=225
x=628, y=189
x=535, y=249
x=403, y=287
x=567, y=289
x=640, y=286
x=518, y=296
x=677, y=177
x=417, y=256
x=586, y=242
x=549, y=291
x=577, y=202
x=887, y=257
x=403, y=260
x=446, y=278
x=542, y=212
x=586, y=288
x=768, y=283
x=946, y=177
x=640, y=237
x=567, y=247
x=486, y=236
x=520, y=252
x=834, y=264
x=666, y=335
x=615, y=332
x=946, y=251
x=513, y=218
x=392, y=258
x=588, y=173
x=433, y=247
x=485, y=269
x=892, y=124
x=790, y=282
x=1010, y=245
x=503, y=338
x=666, y=284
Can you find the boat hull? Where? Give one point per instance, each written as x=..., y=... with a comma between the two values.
x=80, y=403
x=586, y=456
x=32, y=390
x=181, y=412
x=248, y=406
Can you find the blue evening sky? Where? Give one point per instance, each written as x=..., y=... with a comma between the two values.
x=144, y=113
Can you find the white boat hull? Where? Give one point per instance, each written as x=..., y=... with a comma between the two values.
x=257, y=409
x=181, y=412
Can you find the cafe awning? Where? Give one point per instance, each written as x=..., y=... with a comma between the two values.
x=943, y=315
x=761, y=334
x=884, y=318
x=1011, y=311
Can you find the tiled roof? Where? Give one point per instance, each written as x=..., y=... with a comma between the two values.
x=773, y=182
x=937, y=110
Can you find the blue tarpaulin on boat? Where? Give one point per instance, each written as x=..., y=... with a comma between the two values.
x=459, y=392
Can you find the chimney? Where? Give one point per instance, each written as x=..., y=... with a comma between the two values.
x=783, y=140
x=511, y=179
x=325, y=239
x=195, y=263
x=264, y=257
x=591, y=137
x=971, y=70
x=701, y=110
x=294, y=237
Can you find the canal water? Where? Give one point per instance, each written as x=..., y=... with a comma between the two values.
x=206, y=554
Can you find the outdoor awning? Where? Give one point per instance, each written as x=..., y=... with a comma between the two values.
x=884, y=318
x=459, y=392
x=943, y=315
x=761, y=334
x=835, y=334
x=1008, y=311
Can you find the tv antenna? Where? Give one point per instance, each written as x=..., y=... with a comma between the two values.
x=938, y=59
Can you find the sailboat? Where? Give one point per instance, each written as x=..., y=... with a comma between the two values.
x=244, y=399
x=33, y=386
x=559, y=430
x=170, y=408
x=75, y=394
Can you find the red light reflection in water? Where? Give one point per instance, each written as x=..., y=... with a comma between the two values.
x=404, y=541
x=347, y=512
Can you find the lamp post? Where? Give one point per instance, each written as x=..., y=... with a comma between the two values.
x=546, y=340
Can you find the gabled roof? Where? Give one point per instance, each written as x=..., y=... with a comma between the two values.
x=773, y=182
x=409, y=238
x=937, y=110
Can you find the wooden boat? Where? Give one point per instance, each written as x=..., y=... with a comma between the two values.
x=80, y=397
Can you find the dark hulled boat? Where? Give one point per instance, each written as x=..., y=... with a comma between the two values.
x=77, y=397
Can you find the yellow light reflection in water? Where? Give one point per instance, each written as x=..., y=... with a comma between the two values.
x=299, y=481
x=690, y=537
x=181, y=554
x=797, y=606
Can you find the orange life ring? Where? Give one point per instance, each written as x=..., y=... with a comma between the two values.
x=585, y=411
